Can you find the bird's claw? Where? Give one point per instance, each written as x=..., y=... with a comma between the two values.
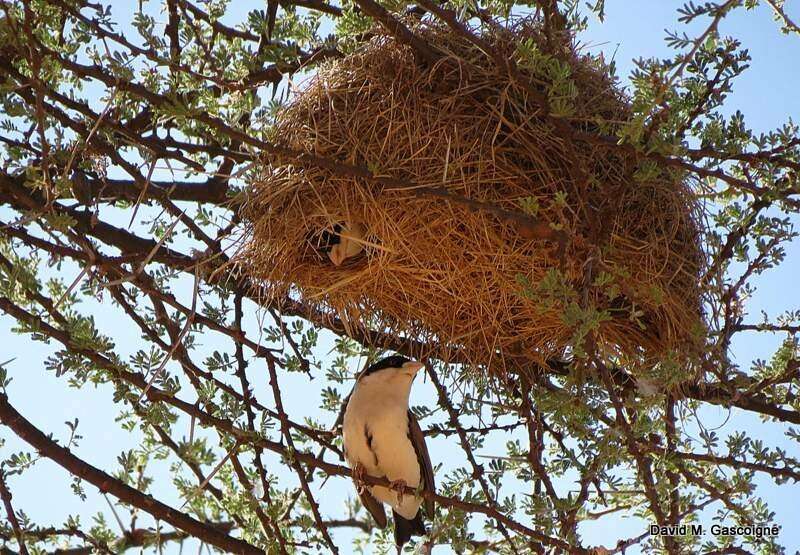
x=358, y=477
x=399, y=487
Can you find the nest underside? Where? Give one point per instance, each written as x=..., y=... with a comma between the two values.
x=468, y=280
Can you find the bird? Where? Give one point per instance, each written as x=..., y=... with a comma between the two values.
x=341, y=243
x=382, y=438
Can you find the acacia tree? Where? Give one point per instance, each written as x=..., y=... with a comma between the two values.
x=124, y=149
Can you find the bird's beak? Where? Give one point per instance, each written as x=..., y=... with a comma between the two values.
x=413, y=367
x=336, y=257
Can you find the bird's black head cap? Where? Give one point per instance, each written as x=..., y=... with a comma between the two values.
x=394, y=361
x=323, y=241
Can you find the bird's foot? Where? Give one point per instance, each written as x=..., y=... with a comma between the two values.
x=358, y=477
x=398, y=486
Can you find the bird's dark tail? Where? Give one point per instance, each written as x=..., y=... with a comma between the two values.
x=404, y=528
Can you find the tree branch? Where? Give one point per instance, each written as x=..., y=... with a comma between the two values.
x=108, y=484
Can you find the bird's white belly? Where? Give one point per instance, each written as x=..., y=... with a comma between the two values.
x=390, y=454
x=397, y=460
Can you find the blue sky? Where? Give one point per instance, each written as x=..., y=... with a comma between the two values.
x=767, y=94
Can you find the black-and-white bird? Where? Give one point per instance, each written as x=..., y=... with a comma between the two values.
x=382, y=438
x=344, y=241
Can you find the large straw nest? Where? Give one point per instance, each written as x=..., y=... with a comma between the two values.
x=437, y=270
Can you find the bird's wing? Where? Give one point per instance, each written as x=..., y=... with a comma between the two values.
x=374, y=507
x=421, y=449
